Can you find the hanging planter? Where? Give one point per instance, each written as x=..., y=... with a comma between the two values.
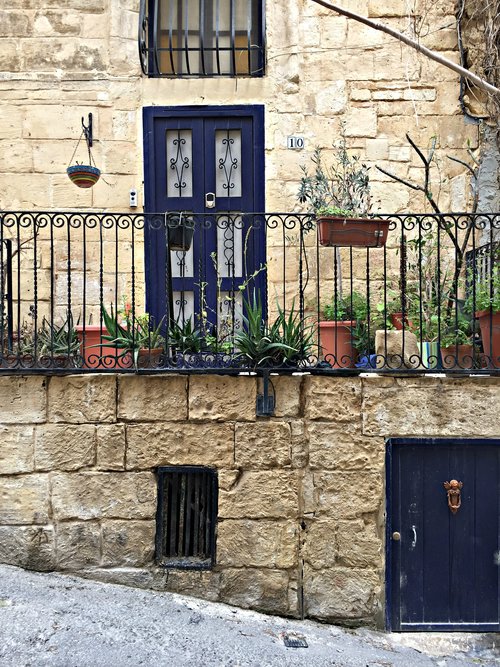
x=180, y=231
x=84, y=175
x=357, y=232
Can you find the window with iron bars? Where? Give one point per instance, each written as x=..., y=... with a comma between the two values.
x=179, y=38
x=186, y=517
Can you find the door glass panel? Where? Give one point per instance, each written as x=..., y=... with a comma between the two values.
x=228, y=163
x=229, y=246
x=182, y=263
x=179, y=163
x=183, y=307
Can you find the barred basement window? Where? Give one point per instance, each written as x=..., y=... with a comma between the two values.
x=186, y=517
x=179, y=38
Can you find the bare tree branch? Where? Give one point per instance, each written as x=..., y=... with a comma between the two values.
x=433, y=55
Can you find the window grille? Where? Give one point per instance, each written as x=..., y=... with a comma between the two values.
x=179, y=38
x=186, y=517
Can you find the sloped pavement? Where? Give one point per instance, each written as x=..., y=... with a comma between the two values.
x=63, y=621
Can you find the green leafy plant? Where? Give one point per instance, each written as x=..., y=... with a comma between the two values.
x=134, y=334
x=458, y=331
x=341, y=188
x=486, y=295
x=343, y=309
x=58, y=340
x=286, y=341
x=185, y=337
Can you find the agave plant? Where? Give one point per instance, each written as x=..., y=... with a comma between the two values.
x=185, y=337
x=134, y=335
x=284, y=342
x=58, y=340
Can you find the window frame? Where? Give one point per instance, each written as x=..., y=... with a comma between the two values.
x=183, y=561
x=150, y=48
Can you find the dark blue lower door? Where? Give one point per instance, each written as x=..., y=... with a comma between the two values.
x=443, y=566
x=207, y=161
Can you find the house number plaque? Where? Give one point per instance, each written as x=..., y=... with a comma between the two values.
x=295, y=142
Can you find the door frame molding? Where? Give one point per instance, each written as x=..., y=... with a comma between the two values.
x=390, y=558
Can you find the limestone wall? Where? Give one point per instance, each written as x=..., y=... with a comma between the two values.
x=62, y=59
x=296, y=535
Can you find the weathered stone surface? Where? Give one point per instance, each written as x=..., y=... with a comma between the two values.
x=16, y=449
x=221, y=398
x=204, y=584
x=264, y=590
x=152, y=398
x=287, y=391
x=151, y=445
x=247, y=543
x=110, y=446
x=300, y=444
x=341, y=593
x=228, y=478
x=347, y=495
x=104, y=495
x=319, y=545
x=260, y=495
x=432, y=407
x=22, y=400
x=151, y=579
x=63, y=447
x=27, y=546
x=82, y=398
x=333, y=399
x=359, y=544
x=343, y=447
x=128, y=543
x=78, y=544
x=396, y=349
x=262, y=445
x=24, y=499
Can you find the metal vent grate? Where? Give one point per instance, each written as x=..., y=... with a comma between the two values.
x=186, y=517
x=179, y=38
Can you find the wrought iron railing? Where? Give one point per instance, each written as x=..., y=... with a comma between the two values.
x=99, y=292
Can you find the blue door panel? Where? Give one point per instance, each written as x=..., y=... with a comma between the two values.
x=443, y=573
x=203, y=122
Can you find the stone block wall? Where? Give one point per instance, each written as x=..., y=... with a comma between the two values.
x=301, y=495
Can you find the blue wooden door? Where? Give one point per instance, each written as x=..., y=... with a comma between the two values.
x=208, y=161
x=443, y=566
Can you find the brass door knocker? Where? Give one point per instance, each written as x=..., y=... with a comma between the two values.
x=453, y=489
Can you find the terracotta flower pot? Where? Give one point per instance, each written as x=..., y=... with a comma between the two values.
x=149, y=358
x=336, y=343
x=96, y=352
x=357, y=232
x=397, y=321
x=489, y=324
x=458, y=356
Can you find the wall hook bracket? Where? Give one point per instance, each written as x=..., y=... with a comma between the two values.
x=87, y=131
x=266, y=400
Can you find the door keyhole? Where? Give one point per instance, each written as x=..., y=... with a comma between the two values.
x=210, y=200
